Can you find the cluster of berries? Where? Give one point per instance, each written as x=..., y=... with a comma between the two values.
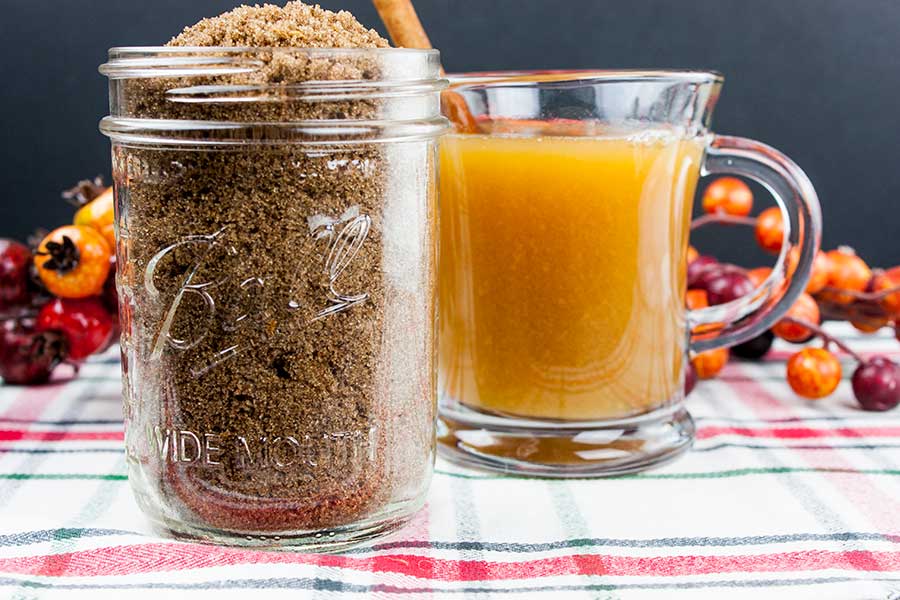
x=58, y=302
x=841, y=286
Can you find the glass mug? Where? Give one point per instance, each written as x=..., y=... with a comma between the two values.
x=564, y=224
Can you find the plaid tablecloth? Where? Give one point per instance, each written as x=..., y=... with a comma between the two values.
x=780, y=498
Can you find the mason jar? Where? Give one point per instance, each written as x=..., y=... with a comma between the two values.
x=275, y=221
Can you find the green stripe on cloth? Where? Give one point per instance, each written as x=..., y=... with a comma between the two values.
x=63, y=476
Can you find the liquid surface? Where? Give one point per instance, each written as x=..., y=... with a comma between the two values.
x=562, y=276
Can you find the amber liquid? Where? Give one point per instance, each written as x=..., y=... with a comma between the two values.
x=562, y=276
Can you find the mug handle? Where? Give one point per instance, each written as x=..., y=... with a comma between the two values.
x=750, y=315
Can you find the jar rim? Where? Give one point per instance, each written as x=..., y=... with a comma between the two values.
x=126, y=62
x=405, y=82
x=228, y=134
x=121, y=51
x=145, y=62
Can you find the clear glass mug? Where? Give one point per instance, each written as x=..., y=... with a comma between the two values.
x=563, y=334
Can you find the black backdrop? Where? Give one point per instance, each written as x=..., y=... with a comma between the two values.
x=819, y=79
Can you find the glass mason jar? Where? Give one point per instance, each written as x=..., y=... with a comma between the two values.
x=275, y=215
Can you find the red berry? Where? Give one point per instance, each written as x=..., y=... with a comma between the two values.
x=756, y=348
x=111, y=301
x=15, y=262
x=26, y=355
x=690, y=379
x=86, y=324
x=876, y=384
x=727, y=285
x=713, y=272
x=696, y=268
x=110, y=293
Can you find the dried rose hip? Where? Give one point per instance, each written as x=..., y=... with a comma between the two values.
x=73, y=261
x=28, y=356
x=15, y=260
x=86, y=324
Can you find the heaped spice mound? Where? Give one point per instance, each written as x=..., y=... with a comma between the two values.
x=296, y=25
x=275, y=69
x=278, y=365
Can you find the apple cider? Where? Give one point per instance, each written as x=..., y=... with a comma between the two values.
x=559, y=296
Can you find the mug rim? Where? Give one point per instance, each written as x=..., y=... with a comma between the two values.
x=532, y=76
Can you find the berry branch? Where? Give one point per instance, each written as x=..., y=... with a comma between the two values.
x=824, y=336
x=840, y=286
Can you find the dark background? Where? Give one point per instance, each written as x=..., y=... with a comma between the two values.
x=818, y=79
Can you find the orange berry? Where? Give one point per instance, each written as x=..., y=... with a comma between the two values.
x=759, y=275
x=728, y=195
x=804, y=308
x=813, y=373
x=888, y=280
x=846, y=271
x=73, y=261
x=710, y=363
x=821, y=271
x=870, y=325
x=695, y=299
x=770, y=230
x=818, y=275
x=692, y=254
x=109, y=234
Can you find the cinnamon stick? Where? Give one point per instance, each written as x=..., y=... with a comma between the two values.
x=402, y=23
x=406, y=31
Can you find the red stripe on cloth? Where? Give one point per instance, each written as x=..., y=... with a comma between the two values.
x=31, y=402
x=703, y=433
x=151, y=558
x=874, y=503
x=17, y=435
x=796, y=433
